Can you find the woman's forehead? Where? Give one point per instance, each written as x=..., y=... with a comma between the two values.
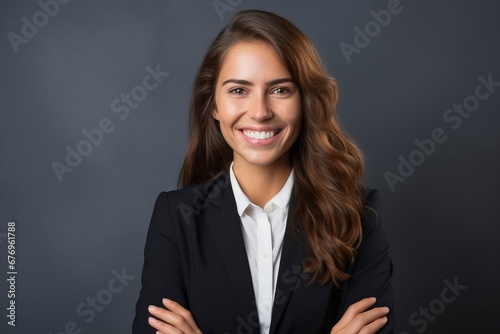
x=256, y=59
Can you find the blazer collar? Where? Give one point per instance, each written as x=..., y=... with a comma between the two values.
x=225, y=228
x=290, y=273
x=218, y=192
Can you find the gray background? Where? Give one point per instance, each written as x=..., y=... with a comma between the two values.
x=443, y=221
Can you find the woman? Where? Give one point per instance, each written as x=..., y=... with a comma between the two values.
x=272, y=231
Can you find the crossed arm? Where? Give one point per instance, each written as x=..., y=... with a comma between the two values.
x=175, y=319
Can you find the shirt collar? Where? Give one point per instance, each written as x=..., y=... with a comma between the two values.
x=281, y=199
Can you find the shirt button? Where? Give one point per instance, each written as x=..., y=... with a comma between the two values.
x=265, y=296
x=266, y=255
x=269, y=208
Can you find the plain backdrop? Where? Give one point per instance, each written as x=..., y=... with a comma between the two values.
x=67, y=70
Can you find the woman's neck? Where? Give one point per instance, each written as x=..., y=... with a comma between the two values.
x=261, y=183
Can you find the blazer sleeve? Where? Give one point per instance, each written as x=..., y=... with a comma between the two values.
x=372, y=272
x=162, y=271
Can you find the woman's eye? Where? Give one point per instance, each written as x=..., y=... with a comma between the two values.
x=237, y=91
x=280, y=90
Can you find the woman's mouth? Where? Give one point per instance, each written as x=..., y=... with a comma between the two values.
x=260, y=135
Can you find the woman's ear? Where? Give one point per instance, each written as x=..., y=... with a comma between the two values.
x=215, y=114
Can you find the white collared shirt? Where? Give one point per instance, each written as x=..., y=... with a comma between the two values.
x=263, y=231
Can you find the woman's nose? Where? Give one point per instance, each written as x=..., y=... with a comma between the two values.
x=260, y=110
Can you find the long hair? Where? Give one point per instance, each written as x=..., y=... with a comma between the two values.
x=328, y=167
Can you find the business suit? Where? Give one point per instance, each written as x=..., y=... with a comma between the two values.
x=195, y=255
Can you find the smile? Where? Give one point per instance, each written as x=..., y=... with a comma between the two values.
x=260, y=135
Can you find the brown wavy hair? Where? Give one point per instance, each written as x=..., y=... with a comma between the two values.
x=328, y=167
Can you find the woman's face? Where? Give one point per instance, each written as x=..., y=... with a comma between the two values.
x=258, y=105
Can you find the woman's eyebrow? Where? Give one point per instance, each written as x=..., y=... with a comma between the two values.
x=279, y=81
x=248, y=83
x=238, y=81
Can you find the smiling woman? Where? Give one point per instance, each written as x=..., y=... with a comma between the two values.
x=293, y=243
x=258, y=107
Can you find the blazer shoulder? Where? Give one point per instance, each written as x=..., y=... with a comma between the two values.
x=372, y=211
x=197, y=197
x=372, y=197
x=205, y=191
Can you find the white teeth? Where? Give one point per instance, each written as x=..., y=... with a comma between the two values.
x=259, y=135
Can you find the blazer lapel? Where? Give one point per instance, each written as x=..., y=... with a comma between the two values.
x=225, y=227
x=292, y=257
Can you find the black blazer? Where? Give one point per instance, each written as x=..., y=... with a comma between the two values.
x=195, y=255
